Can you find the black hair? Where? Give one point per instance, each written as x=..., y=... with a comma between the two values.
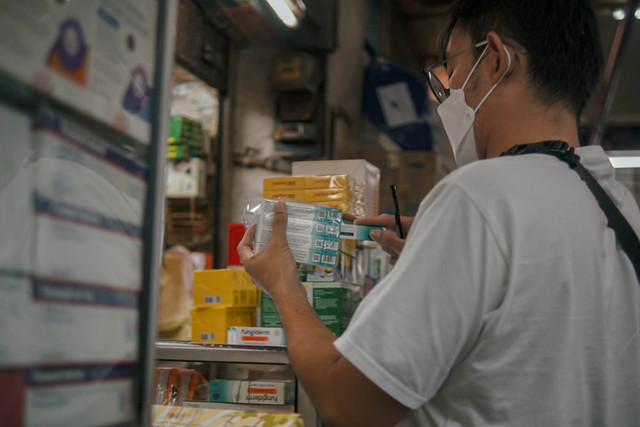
x=561, y=38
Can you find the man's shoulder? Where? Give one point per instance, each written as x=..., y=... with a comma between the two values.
x=490, y=175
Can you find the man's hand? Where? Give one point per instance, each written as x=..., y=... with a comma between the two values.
x=388, y=240
x=273, y=269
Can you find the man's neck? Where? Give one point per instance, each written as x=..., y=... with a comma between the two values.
x=530, y=125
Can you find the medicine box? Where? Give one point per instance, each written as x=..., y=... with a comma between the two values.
x=313, y=232
x=257, y=392
x=224, y=288
x=269, y=316
x=286, y=183
x=209, y=325
x=301, y=182
x=284, y=195
x=256, y=336
x=326, y=194
x=326, y=181
x=334, y=302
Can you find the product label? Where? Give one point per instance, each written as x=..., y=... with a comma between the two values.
x=274, y=392
x=312, y=232
x=213, y=299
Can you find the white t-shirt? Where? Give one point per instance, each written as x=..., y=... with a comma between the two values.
x=512, y=303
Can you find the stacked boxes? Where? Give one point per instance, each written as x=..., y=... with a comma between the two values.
x=336, y=191
x=222, y=298
x=245, y=335
x=186, y=138
x=364, y=175
x=335, y=303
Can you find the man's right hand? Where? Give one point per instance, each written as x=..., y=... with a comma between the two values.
x=388, y=240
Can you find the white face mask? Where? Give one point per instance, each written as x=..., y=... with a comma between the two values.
x=457, y=118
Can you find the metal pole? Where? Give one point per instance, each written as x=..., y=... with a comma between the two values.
x=612, y=71
x=154, y=206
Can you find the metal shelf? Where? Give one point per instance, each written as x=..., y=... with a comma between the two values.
x=196, y=352
x=240, y=406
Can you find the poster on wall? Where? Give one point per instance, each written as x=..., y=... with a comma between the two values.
x=95, y=55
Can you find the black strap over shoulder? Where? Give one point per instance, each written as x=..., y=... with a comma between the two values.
x=624, y=232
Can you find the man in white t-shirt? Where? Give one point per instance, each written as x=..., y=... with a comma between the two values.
x=512, y=302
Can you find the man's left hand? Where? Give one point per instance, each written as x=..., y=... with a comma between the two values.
x=273, y=269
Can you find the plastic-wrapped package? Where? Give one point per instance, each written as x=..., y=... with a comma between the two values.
x=338, y=191
x=313, y=232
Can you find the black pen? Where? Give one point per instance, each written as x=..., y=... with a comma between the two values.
x=396, y=211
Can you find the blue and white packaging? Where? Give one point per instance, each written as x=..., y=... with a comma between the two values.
x=313, y=232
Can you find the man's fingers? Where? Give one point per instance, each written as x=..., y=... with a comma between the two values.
x=245, y=246
x=279, y=223
x=389, y=242
x=385, y=220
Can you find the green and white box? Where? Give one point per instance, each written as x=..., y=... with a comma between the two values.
x=257, y=392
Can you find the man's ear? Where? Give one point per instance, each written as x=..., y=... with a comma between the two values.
x=500, y=57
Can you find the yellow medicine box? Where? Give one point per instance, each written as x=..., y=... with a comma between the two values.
x=306, y=182
x=286, y=183
x=326, y=194
x=209, y=325
x=284, y=195
x=224, y=288
x=326, y=181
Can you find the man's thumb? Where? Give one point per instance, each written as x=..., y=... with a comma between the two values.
x=280, y=221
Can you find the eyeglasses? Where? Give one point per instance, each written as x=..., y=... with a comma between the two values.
x=441, y=93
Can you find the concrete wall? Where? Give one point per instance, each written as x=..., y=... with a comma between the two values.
x=252, y=102
x=252, y=121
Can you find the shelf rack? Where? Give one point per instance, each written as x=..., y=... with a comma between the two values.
x=179, y=351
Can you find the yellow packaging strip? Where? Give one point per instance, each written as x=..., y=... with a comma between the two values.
x=326, y=194
x=283, y=195
x=286, y=183
x=326, y=181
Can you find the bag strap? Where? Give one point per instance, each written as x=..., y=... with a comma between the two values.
x=624, y=232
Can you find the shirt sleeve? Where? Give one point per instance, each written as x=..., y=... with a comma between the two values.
x=426, y=314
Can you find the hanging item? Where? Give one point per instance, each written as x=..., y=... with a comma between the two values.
x=396, y=101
